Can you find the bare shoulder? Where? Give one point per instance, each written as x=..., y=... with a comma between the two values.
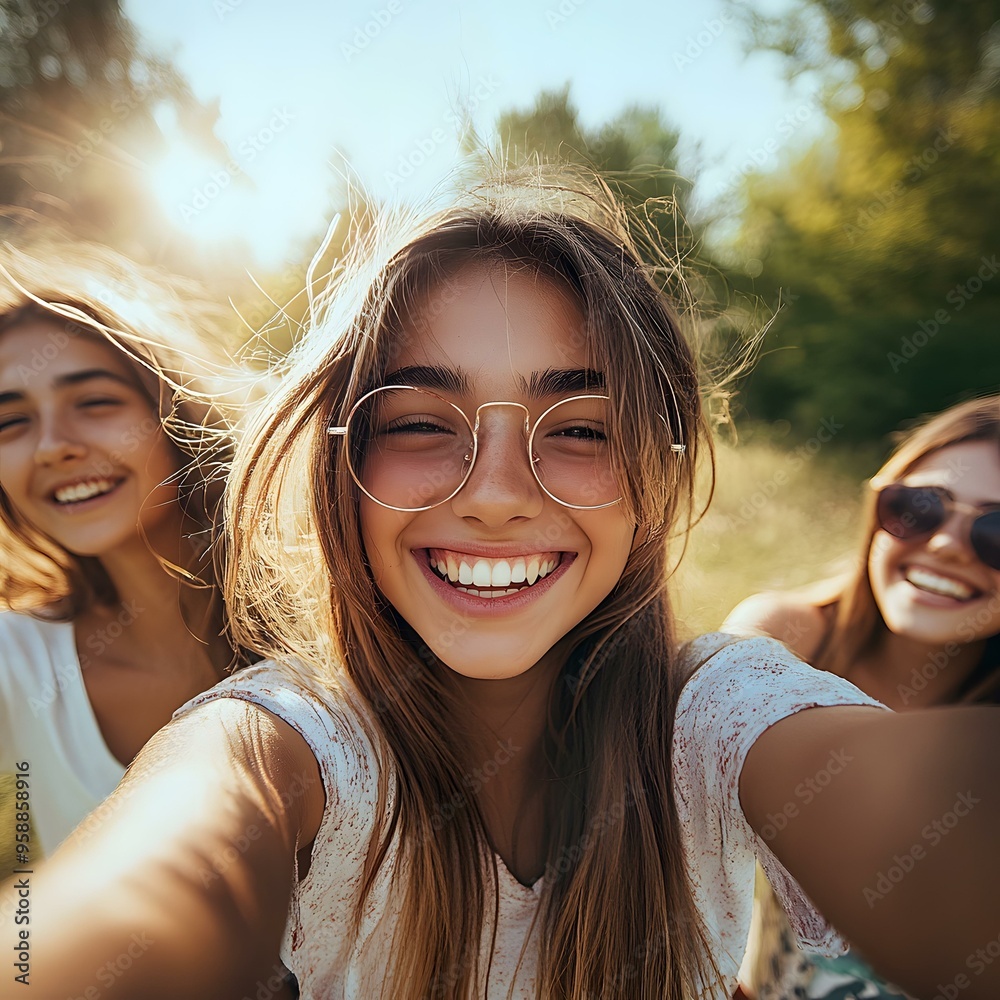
x=790, y=618
x=249, y=747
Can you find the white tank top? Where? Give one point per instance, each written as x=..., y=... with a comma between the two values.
x=47, y=722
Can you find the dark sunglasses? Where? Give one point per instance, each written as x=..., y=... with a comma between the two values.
x=914, y=511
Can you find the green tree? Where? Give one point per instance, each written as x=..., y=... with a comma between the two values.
x=885, y=235
x=636, y=153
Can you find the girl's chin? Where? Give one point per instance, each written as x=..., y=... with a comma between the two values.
x=487, y=671
x=918, y=628
x=492, y=664
x=90, y=546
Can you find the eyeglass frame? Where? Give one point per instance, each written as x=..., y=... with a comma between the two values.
x=341, y=431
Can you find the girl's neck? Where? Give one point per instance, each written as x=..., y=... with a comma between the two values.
x=508, y=714
x=513, y=708
x=157, y=609
x=506, y=768
x=906, y=674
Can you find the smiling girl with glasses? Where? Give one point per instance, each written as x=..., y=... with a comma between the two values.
x=917, y=623
x=479, y=762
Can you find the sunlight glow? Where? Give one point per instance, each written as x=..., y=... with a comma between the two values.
x=189, y=186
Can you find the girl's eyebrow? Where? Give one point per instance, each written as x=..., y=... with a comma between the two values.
x=73, y=378
x=430, y=377
x=551, y=382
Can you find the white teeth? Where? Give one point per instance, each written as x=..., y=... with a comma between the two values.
x=491, y=577
x=924, y=579
x=83, y=491
x=481, y=573
x=488, y=594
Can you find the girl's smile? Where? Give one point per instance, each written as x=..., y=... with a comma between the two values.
x=493, y=578
x=82, y=454
x=934, y=588
x=80, y=493
x=479, y=585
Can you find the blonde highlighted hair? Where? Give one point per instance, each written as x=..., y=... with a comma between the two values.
x=173, y=340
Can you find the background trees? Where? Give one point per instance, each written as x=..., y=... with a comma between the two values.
x=881, y=239
x=888, y=234
x=80, y=105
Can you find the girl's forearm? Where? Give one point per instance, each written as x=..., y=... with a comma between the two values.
x=178, y=885
x=890, y=823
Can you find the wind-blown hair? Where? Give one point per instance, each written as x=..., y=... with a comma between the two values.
x=858, y=625
x=617, y=916
x=172, y=340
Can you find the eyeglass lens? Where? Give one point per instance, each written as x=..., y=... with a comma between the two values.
x=410, y=448
x=912, y=511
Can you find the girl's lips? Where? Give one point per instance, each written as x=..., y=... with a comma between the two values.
x=81, y=506
x=930, y=598
x=488, y=607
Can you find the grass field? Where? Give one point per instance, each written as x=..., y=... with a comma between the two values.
x=780, y=518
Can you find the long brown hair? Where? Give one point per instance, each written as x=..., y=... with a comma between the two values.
x=173, y=341
x=858, y=626
x=618, y=918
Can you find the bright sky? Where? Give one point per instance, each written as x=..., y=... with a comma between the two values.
x=304, y=83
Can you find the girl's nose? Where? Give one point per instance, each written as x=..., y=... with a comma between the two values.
x=57, y=443
x=952, y=537
x=501, y=485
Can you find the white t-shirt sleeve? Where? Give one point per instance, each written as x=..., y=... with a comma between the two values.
x=48, y=723
x=333, y=733
x=743, y=688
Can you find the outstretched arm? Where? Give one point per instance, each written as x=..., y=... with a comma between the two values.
x=178, y=884
x=897, y=841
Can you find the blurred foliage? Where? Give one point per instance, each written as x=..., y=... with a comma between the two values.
x=886, y=238
x=784, y=514
x=80, y=101
x=86, y=114
x=635, y=152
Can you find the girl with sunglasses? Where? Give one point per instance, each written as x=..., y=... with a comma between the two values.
x=478, y=762
x=916, y=624
x=111, y=473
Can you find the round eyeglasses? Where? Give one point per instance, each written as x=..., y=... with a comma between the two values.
x=410, y=449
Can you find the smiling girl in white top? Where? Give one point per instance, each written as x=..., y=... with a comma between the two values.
x=109, y=485
x=479, y=764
